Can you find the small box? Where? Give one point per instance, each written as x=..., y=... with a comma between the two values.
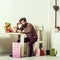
x=47, y=52
x=52, y=52
x=41, y=52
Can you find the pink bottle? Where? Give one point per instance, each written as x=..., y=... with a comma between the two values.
x=16, y=50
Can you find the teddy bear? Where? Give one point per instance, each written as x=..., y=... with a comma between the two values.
x=7, y=27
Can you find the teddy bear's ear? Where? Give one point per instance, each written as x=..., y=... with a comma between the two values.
x=5, y=22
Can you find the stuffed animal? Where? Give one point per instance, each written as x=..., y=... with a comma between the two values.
x=8, y=27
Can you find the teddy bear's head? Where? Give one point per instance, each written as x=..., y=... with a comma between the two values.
x=7, y=25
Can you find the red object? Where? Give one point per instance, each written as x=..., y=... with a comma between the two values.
x=41, y=52
x=7, y=30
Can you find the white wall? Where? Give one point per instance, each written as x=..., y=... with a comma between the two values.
x=58, y=13
x=36, y=12
x=52, y=15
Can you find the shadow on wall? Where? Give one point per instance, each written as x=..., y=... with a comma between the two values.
x=6, y=42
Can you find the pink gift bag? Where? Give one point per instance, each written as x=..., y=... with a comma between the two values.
x=37, y=52
x=16, y=50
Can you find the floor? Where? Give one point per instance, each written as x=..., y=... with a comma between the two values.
x=7, y=57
